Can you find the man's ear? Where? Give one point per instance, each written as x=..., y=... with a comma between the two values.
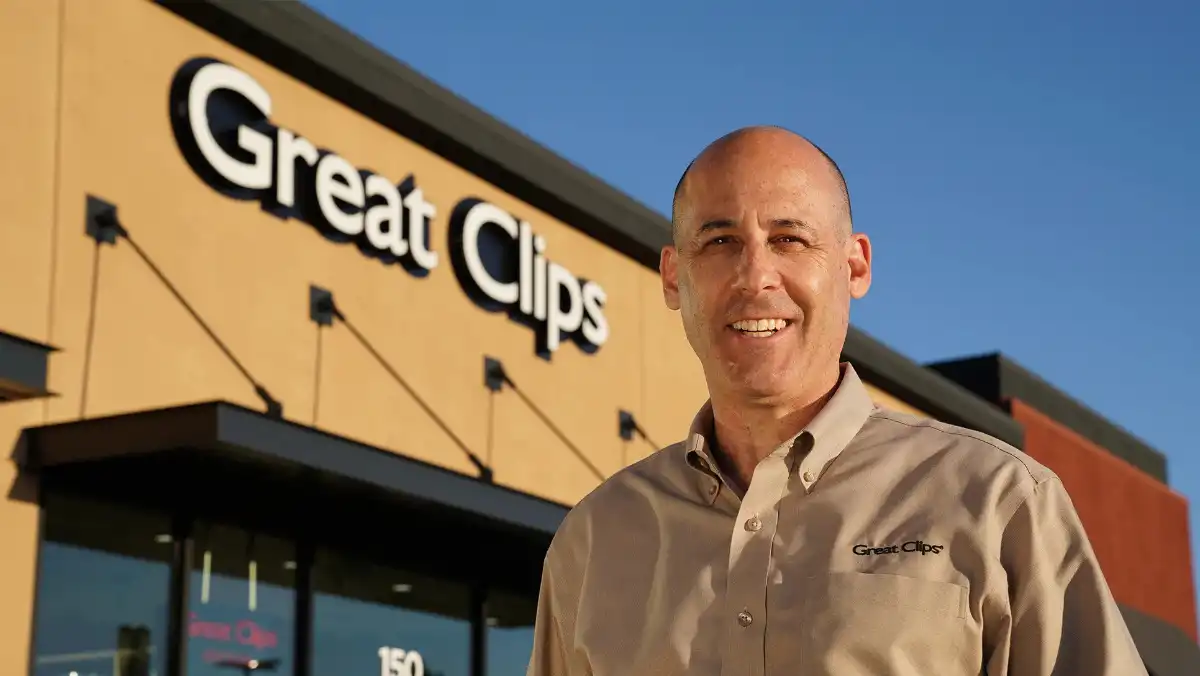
x=860, y=264
x=668, y=270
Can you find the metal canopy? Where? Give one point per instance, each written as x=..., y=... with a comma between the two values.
x=23, y=367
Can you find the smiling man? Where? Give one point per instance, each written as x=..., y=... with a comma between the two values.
x=799, y=528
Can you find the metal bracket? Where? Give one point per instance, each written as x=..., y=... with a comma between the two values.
x=627, y=426
x=274, y=406
x=321, y=308
x=494, y=376
x=102, y=224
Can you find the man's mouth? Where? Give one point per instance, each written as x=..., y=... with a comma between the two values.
x=760, y=328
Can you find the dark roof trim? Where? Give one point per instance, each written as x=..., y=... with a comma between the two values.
x=223, y=428
x=24, y=365
x=301, y=42
x=918, y=386
x=1165, y=649
x=999, y=379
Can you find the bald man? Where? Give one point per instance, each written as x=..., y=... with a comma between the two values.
x=799, y=528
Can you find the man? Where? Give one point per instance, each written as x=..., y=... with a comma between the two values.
x=799, y=529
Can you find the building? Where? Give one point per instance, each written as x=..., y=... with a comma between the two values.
x=256, y=428
x=1136, y=523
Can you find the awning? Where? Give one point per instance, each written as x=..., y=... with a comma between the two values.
x=217, y=460
x=1165, y=649
x=23, y=367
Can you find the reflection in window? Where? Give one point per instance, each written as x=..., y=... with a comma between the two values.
x=510, y=633
x=375, y=620
x=103, y=588
x=242, y=603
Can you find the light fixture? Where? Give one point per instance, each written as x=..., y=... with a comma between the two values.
x=205, y=576
x=289, y=565
x=163, y=538
x=491, y=622
x=401, y=588
x=253, y=585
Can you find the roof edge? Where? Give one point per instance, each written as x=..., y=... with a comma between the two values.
x=925, y=389
x=998, y=378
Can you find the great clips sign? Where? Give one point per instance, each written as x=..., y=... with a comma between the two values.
x=221, y=117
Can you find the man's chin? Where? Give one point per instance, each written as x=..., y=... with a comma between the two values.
x=763, y=384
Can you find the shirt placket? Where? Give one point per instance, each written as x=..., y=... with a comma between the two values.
x=750, y=554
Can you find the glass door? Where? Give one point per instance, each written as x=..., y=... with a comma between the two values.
x=241, y=603
x=373, y=619
x=510, y=619
x=102, y=597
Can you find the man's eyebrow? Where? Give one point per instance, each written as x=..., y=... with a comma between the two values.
x=793, y=224
x=726, y=224
x=719, y=224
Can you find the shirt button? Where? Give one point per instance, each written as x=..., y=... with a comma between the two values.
x=745, y=618
x=810, y=477
x=753, y=524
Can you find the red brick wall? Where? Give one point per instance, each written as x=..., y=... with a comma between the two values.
x=1137, y=525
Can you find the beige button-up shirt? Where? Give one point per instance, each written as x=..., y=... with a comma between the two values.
x=874, y=542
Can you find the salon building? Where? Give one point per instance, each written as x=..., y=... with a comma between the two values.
x=303, y=359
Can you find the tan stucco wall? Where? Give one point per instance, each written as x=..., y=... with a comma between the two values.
x=28, y=76
x=92, y=118
x=888, y=401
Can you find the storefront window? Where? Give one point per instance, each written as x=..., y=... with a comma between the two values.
x=510, y=633
x=104, y=595
x=241, y=613
x=377, y=620
x=103, y=589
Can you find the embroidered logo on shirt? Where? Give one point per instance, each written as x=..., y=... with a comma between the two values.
x=910, y=547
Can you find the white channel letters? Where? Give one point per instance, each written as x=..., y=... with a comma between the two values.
x=221, y=118
x=400, y=662
x=540, y=293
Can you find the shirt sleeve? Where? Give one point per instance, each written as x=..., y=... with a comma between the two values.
x=1063, y=620
x=549, y=656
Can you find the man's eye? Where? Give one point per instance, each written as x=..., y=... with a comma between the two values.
x=720, y=240
x=789, y=239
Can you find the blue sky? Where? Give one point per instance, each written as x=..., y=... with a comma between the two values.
x=1027, y=170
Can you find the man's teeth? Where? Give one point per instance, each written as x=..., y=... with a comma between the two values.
x=760, y=327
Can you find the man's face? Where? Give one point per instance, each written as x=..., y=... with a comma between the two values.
x=764, y=266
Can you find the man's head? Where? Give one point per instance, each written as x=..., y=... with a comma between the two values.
x=762, y=231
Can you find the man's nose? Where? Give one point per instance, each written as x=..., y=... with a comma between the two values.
x=757, y=269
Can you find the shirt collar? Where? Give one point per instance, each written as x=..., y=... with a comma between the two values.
x=834, y=426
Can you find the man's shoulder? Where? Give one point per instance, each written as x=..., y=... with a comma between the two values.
x=969, y=450
x=661, y=471
x=660, y=475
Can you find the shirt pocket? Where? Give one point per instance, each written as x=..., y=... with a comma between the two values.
x=858, y=622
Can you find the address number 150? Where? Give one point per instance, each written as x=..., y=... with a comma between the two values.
x=400, y=662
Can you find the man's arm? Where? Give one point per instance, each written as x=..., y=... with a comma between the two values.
x=1063, y=620
x=549, y=656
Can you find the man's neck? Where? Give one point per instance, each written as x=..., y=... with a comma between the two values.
x=747, y=431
